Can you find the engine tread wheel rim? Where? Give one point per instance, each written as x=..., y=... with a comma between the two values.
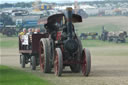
x=86, y=65
x=42, y=54
x=58, y=62
x=45, y=54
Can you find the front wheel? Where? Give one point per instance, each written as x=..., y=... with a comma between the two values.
x=33, y=63
x=86, y=65
x=22, y=61
x=58, y=62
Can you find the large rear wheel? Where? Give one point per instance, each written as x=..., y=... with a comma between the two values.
x=86, y=65
x=45, y=53
x=58, y=62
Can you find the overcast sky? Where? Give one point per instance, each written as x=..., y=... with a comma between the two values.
x=14, y=1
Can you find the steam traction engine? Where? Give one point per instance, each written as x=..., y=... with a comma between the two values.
x=63, y=47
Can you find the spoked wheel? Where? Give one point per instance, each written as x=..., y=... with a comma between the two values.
x=33, y=63
x=58, y=62
x=86, y=65
x=22, y=61
x=45, y=54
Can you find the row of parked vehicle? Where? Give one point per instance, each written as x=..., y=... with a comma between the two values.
x=84, y=36
x=119, y=36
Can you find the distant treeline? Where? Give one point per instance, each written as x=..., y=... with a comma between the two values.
x=115, y=0
x=23, y=4
x=105, y=1
x=19, y=4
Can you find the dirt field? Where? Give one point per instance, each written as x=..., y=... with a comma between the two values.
x=109, y=63
x=111, y=23
x=120, y=21
x=106, y=70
